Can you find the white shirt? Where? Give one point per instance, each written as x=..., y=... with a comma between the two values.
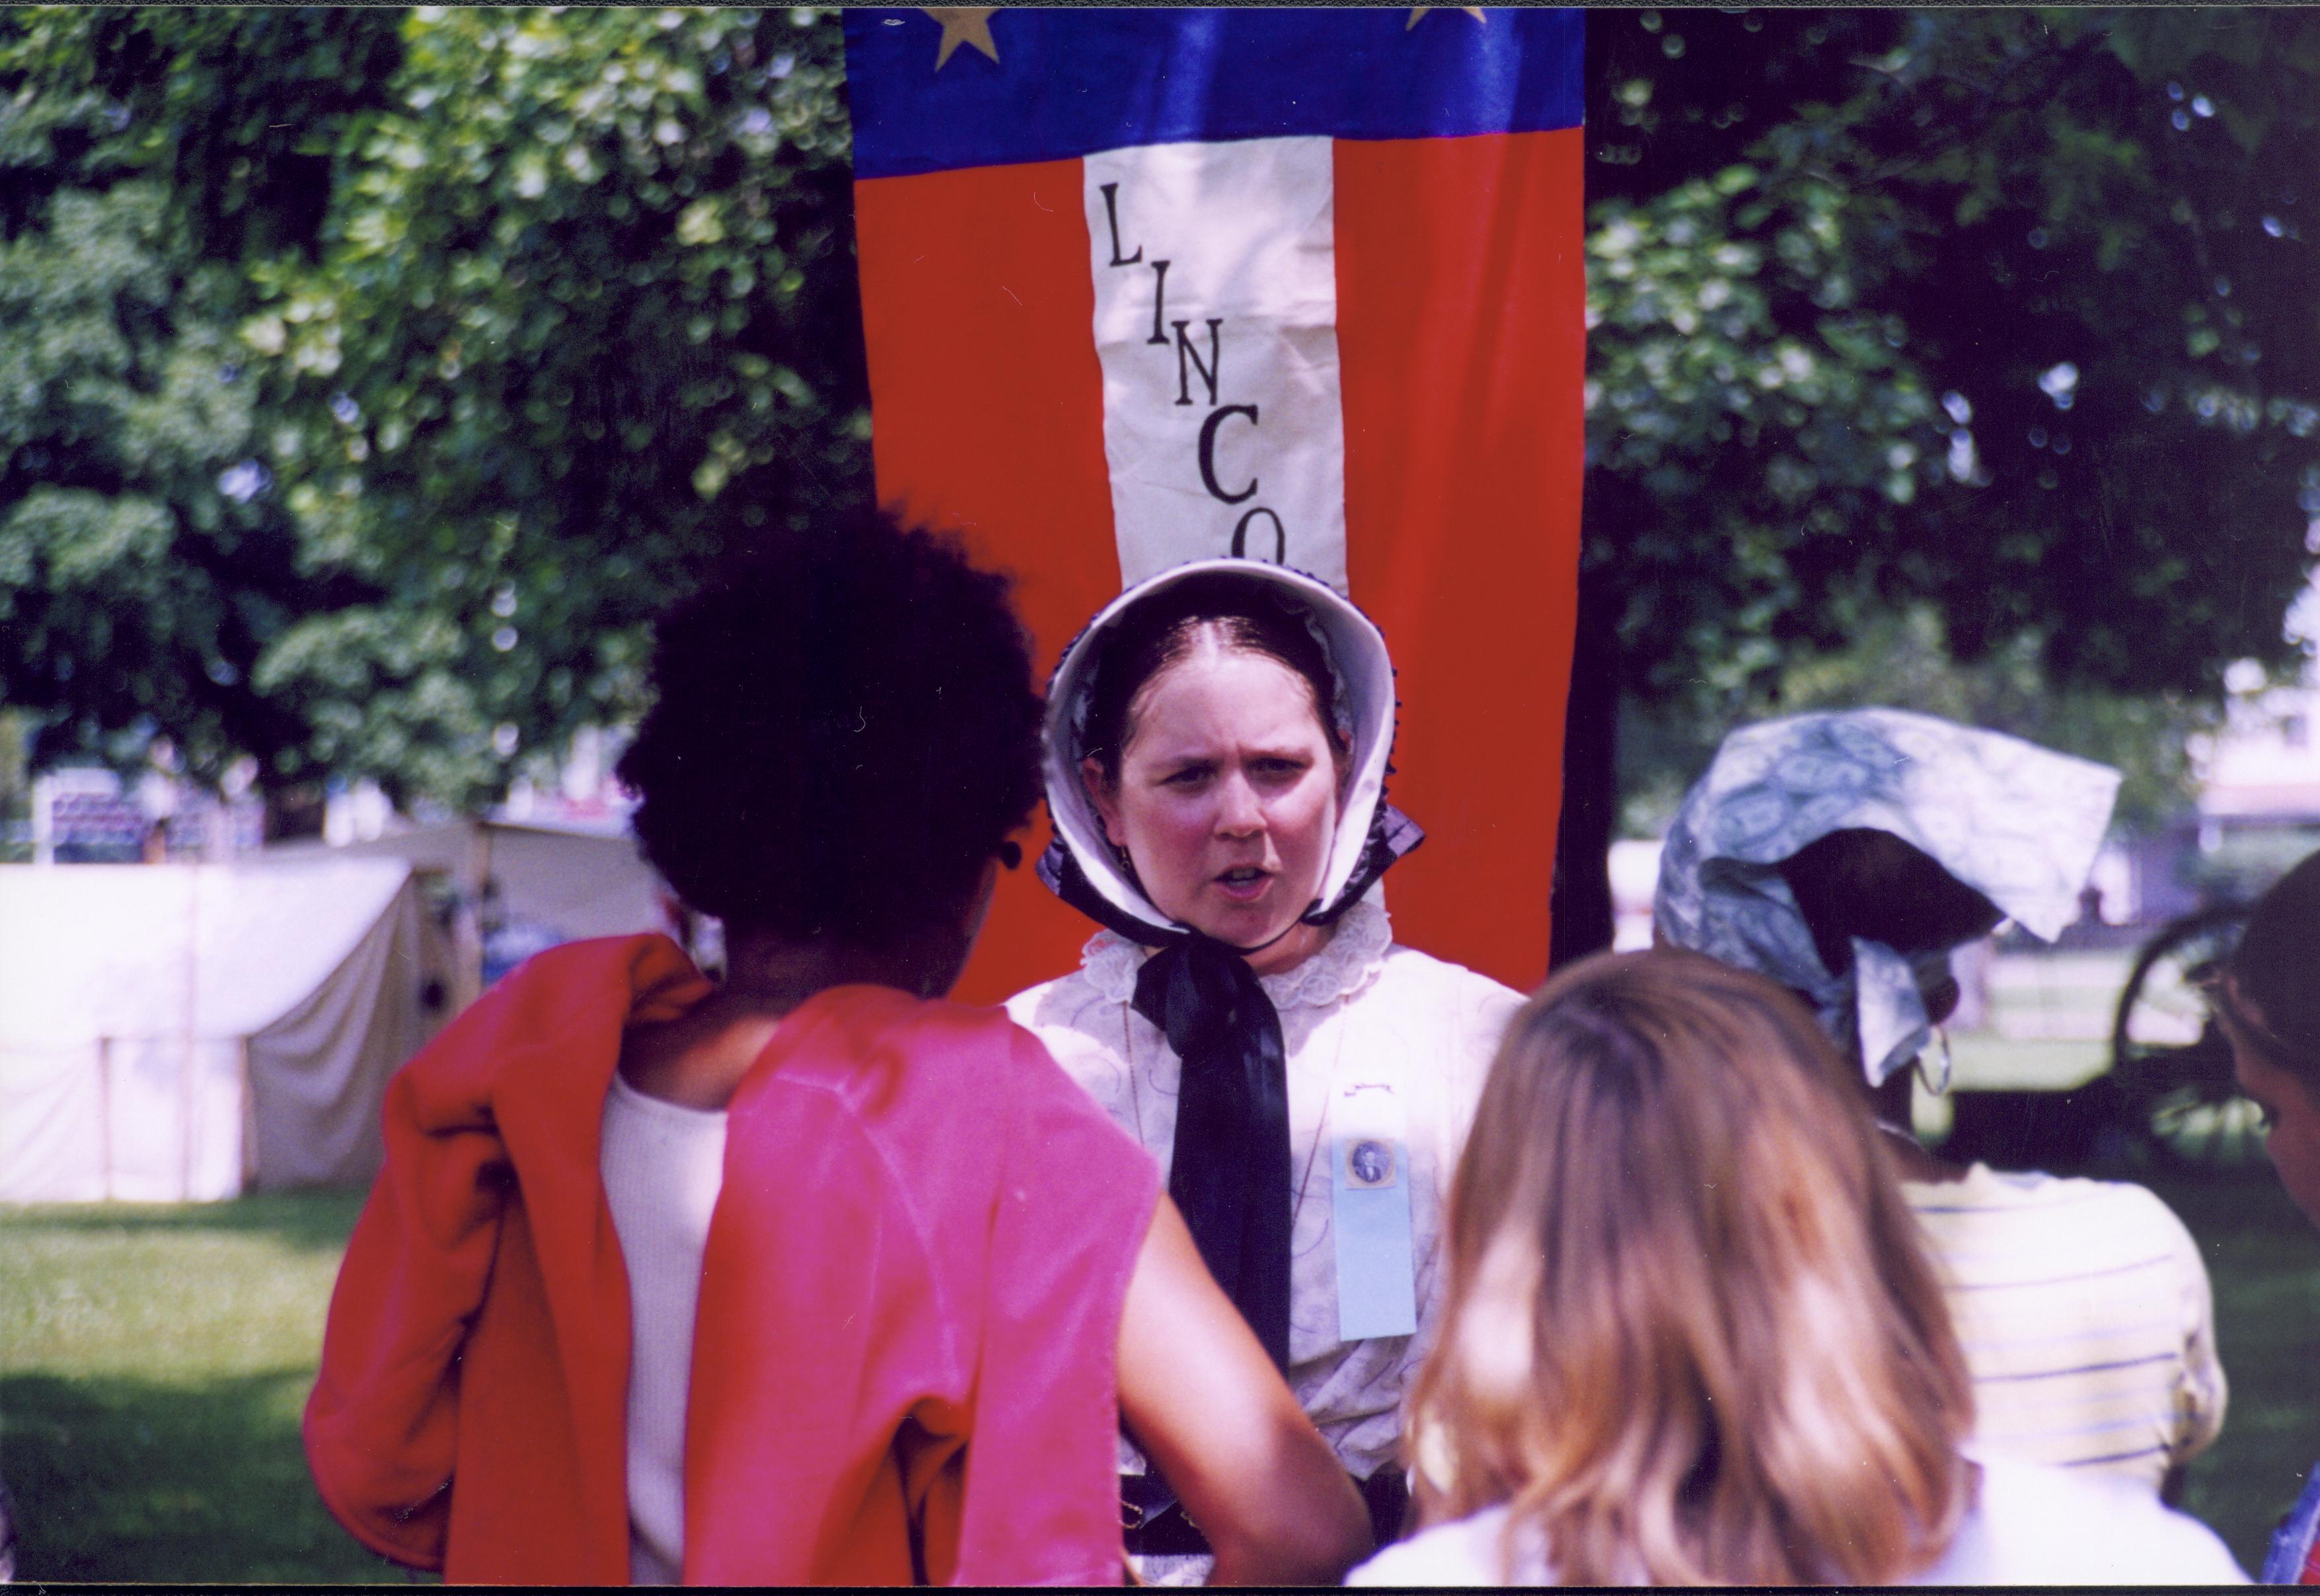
x=2030, y=1526
x=1361, y=1010
x=2085, y=1315
x=663, y=1166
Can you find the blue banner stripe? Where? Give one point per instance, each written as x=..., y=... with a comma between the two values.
x=1069, y=83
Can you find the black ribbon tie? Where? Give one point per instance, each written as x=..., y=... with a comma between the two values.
x=1229, y=1168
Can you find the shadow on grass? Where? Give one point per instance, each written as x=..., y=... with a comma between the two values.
x=2263, y=1261
x=315, y=1220
x=122, y=1479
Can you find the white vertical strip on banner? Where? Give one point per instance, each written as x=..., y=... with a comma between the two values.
x=1216, y=322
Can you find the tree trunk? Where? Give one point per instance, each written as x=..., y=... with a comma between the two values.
x=1581, y=901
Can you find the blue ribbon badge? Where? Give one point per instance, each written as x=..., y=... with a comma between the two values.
x=1369, y=1190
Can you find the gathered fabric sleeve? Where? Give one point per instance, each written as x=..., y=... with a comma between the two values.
x=2200, y=1392
x=480, y=1325
x=382, y=1426
x=1074, y=1201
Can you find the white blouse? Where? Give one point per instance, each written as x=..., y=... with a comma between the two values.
x=663, y=1166
x=2029, y=1526
x=1361, y=1011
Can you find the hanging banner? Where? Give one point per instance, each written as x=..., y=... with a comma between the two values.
x=1303, y=285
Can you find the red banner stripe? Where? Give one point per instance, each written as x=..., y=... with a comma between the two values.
x=987, y=399
x=1462, y=334
x=1461, y=331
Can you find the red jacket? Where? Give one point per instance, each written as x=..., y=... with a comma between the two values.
x=909, y=1314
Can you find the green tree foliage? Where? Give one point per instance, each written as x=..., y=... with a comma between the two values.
x=2029, y=336
x=141, y=577
x=368, y=376
x=374, y=376
x=1756, y=436
x=15, y=790
x=589, y=273
x=2001, y=312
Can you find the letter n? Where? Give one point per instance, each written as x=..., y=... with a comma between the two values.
x=1188, y=360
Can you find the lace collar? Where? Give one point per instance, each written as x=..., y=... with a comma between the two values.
x=1347, y=962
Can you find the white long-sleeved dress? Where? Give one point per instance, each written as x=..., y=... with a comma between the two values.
x=1361, y=1011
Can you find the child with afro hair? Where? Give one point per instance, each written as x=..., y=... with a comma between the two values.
x=742, y=1281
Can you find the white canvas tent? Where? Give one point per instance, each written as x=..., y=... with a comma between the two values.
x=558, y=883
x=183, y=1033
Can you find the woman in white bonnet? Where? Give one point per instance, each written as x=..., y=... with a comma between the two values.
x=1216, y=754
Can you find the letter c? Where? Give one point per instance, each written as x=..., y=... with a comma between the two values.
x=1209, y=452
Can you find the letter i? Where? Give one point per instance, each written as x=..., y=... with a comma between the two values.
x=1159, y=299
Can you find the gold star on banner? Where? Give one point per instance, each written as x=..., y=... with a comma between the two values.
x=963, y=24
x=1417, y=12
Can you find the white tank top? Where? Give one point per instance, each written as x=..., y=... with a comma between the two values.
x=662, y=1165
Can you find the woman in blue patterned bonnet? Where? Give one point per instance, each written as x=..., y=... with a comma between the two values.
x=1845, y=854
x=1217, y=753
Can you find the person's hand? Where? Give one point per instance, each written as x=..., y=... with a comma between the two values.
x=1202, y=1400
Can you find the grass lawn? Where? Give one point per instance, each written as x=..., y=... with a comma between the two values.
x=153, y=1361
x=2265, y=1260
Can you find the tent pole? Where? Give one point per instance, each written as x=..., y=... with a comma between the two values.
x=248, y=1113
x=467, y=929
x=105, y=1112
x=185, y=1083
x=481, y=855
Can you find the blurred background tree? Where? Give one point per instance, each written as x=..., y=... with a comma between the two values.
x=1982, y=333
x=15, y=789
x=144, y=570
x=383, y=370
x=587, y=274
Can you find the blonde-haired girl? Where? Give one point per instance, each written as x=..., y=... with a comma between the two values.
x=1692, y=1336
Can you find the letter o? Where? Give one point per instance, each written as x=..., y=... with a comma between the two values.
x=1280, y=536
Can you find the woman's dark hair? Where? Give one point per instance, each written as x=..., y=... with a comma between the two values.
x=1860, y=881
x=1253, y=616
x=2277, y=967
x=844, y=734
